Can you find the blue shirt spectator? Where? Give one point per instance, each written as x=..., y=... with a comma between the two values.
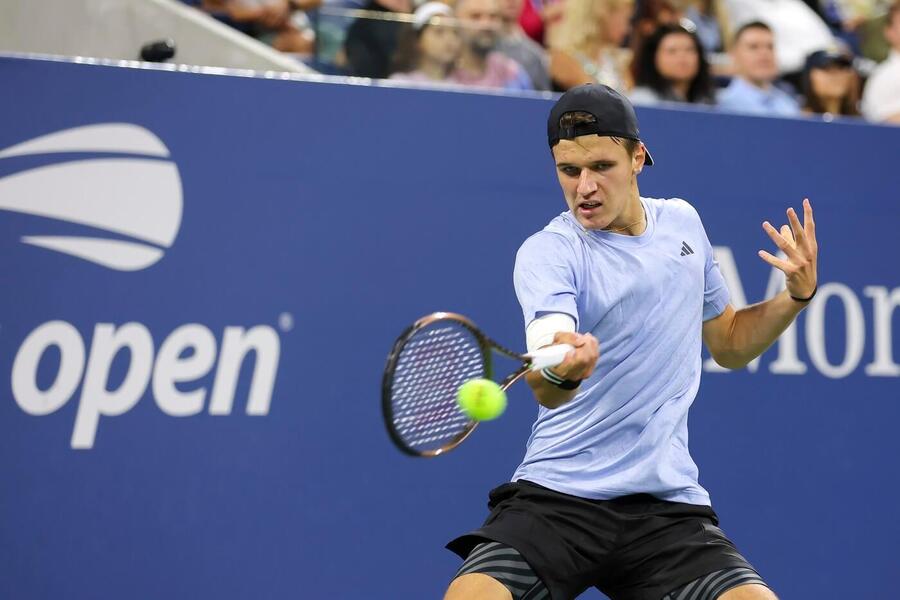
x=480, y=64
x=743, y=96
x=753, y=89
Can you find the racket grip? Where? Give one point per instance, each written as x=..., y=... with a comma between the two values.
x=548, y=356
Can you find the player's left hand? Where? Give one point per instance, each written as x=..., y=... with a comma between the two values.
x=798, y=242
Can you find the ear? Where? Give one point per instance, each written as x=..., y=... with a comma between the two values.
x=637, y=161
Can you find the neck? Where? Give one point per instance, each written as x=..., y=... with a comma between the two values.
x=632, y=221
x=831, y=105
x=681, y=88
x=433, y=69
x=598, y=50
x=761, y=84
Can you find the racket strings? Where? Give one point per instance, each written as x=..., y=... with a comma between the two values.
x=431, y=366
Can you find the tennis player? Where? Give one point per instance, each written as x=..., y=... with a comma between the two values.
x=607, y=495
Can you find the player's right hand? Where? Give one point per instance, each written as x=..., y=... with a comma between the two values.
x=581, y=361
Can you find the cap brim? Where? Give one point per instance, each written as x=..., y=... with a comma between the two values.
x=648, y=160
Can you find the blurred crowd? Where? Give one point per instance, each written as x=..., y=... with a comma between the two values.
x=765, y=57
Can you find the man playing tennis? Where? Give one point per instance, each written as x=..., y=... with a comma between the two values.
x=607, y=495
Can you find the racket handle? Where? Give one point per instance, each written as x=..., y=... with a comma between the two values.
x=548, y=356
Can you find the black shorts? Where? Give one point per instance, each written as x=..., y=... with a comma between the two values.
x=630, y=548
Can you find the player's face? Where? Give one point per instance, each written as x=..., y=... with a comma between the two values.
x=598, y=179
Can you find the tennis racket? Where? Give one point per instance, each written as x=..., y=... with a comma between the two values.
x=429, y=361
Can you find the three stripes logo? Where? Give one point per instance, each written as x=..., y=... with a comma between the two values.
x=134, y=198
x=685, y=249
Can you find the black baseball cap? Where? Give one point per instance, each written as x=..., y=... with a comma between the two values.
x=822, y=59
x=614, y=116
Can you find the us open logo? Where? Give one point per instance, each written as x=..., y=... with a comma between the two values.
x=122, y=196
x=136, y=199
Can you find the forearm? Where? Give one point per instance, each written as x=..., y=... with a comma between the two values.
x=547, y=394
x=756, y=327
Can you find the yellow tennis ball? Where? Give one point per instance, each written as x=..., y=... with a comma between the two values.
x=481, y=399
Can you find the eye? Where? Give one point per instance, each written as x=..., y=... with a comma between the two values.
x=570, y=171
x=602, y=166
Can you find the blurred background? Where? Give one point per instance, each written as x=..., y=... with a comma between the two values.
x=828, y=57
x=217, y=216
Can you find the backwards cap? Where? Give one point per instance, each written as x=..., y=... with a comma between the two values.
x=613, y=115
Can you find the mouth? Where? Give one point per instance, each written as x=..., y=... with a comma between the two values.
x=589, y=207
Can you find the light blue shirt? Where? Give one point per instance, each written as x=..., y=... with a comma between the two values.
x=645, y=299
x=742, y=96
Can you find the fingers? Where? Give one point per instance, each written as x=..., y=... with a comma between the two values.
x=798, y=239
x=566, y=337
x=581, y=361
x=781, y=265
x=586, y=356
x=796, y=228
x=787, y=234
x=783, y=244
x=573, y=339
x=809, y=224
x=590, y=344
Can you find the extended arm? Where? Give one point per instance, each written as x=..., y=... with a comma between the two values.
x=737, y=337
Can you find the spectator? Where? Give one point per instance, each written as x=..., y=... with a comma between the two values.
x=649, y=15
x=872, y=43
x=712, y=26
x=798, y=30
x=671, y=67
x=881, y=98
x=273, y=22
x=752, y=89
x=515, y=44
x=855, y=22
x=331, y=27
x=589, y=48
x=371, y=43
x=480, y=64
x=539, y=18
x=830, y=84
x=428, y=49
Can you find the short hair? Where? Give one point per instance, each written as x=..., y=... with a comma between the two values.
x=748, y=26
x=570, y=119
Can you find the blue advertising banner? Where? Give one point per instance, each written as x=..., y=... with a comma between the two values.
x=202, y=275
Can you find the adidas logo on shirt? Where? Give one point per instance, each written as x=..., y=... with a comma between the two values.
x=685, y=249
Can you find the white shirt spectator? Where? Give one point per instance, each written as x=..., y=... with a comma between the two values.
x=881, y=98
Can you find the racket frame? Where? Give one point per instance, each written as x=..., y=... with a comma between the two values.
x=487, y=345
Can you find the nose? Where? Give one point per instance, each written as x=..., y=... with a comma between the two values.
x=586, y=184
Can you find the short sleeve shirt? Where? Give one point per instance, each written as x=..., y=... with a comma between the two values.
x=645, y=299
